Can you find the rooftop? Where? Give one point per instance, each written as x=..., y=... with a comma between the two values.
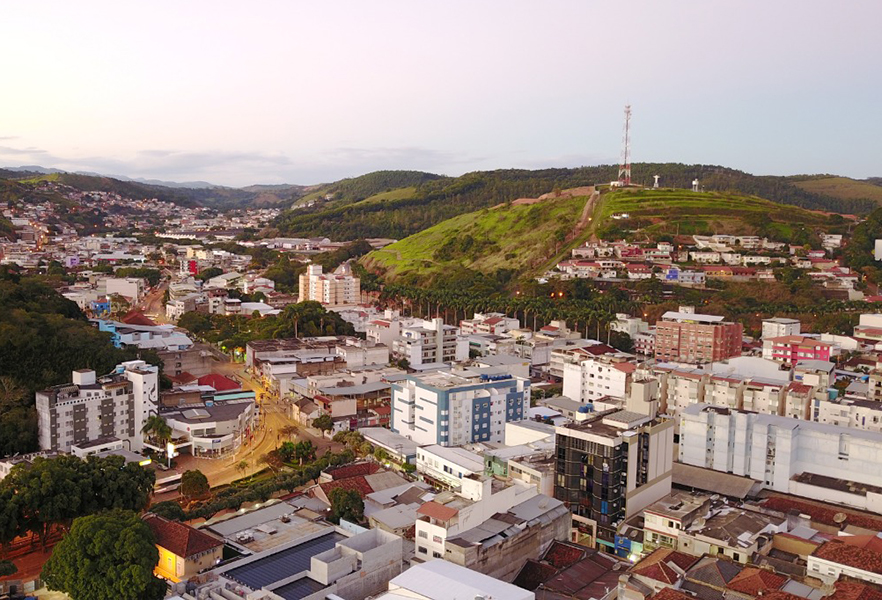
x=178, y=538
x=442, y=580
x=852, y=556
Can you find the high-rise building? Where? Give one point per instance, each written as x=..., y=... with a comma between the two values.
x=615, y=464
x=451, y=408
x=340, y=288
x=97, y=408
x=686, y=336
x=430, y=342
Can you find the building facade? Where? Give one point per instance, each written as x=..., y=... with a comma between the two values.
x=331, y=289
x=686, y=336
x=452, y=408
x=91, y=408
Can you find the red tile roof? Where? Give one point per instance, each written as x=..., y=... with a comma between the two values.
x=756, y=581
x=853, y=590
x=870, y=542
x=136, y=317
x=656, y=566
x=852, y=556
x=437, y=511
x=562, y=555
x=219, y=382
x=821, y=514
x=354, y=470
x=359, y=484
x=178, y=538
x=781, y=595
x=671, y=594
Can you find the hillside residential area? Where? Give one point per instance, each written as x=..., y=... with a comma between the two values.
x=352, y=301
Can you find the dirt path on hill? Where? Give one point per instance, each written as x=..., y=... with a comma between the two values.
x=585, y=217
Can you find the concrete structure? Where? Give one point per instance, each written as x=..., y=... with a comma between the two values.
x=685, y=336
x=667, y=518
x=446, y=467
x=615, y=464
x=594, y=378
x=397, y=446
x=488, y=323
x=90, y=408
x=780, y=327
x=216, y=427
x=629, y=325
x=835, y=559
x=442, y=580
x=869, y=328
x=129, y=288
x=451, y=408
x=790, y=349
x=340, y=288
x=430, y=343
x=804, y=458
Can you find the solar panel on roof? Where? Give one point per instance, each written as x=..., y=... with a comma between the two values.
x=286, y=563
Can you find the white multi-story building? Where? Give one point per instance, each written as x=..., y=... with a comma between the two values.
x=448, y=466
x=786, y=455
x=430, y=343
x=130, y=288
x=594, y=378
x=90, y=408
x=489, y=323
x=340, y=288
x=452, y=408
x=628, y=324
x=386, y=330
x=779, y=327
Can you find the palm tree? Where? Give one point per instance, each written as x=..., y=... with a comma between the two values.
x=242, y=466
x=157, y=430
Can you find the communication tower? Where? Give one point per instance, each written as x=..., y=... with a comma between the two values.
x=625, y=165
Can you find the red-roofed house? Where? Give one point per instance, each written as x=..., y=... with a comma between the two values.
x=219, y=382
x=136, y=317
x=834, y=559
x=183, y=550
x=754, y=581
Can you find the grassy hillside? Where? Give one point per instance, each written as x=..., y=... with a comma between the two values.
x=517, y=237
x=526, y=239
x=355, y=189
x=842, y=187
x=415, y=206
x=655, y=213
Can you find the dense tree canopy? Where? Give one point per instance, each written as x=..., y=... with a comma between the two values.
x=194, y=484
x=110, y=556
x=345, y=504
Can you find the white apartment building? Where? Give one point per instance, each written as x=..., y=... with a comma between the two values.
x=477, y=500
x=90, y=408
x=130, y=288
x=488, y=323
x=448, y=466
x=786, y=455
x=386, y=330
x=340, y=288
x=780, y=327
x=630, y=325
x=595, y=378
x=430, y=343
x=452, y=408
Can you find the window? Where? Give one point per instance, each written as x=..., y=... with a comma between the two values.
x=436, y=554
x=422, y=550
x=423, y=534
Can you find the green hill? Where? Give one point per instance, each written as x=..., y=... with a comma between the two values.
x=526, y=239
x=666, y=212
x=416, y=205
x=514, y=238
x=841, y=187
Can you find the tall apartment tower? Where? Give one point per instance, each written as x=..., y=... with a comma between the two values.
x=331, y=289
x=94, y=408
x=615, y=464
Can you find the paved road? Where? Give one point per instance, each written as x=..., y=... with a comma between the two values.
x=274, y=417
x=152, y=305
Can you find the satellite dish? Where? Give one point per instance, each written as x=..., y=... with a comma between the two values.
x=839, y=517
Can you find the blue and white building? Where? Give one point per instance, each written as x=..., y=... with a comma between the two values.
x=460, y=406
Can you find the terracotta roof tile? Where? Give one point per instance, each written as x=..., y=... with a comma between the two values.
x=852, y=556
x=671, y=594
x=821, y=514
x=358, y=483
x=562, y=555
x=853, y=590
x=437, y=511
x=346, y=471
x=178, y=538
x=756, y=581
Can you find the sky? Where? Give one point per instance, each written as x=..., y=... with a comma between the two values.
x=237, y=93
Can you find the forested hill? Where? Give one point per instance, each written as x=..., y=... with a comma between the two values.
x=217, y=197
x=397, y=212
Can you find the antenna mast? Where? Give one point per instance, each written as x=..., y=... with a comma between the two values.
x=625, y=165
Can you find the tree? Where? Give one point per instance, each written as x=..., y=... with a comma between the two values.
x=381, y=454
x=324, y=422
x=194, y=484
x=242, y=466
x=157, y=430
x=110, y=556
x=346, y=504
x=7, y=568
x=289, y=431
x=170, y=510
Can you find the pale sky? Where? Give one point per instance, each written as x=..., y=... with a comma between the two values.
x=237, y=93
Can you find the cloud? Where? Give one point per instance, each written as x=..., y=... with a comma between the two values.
x=9, y=151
